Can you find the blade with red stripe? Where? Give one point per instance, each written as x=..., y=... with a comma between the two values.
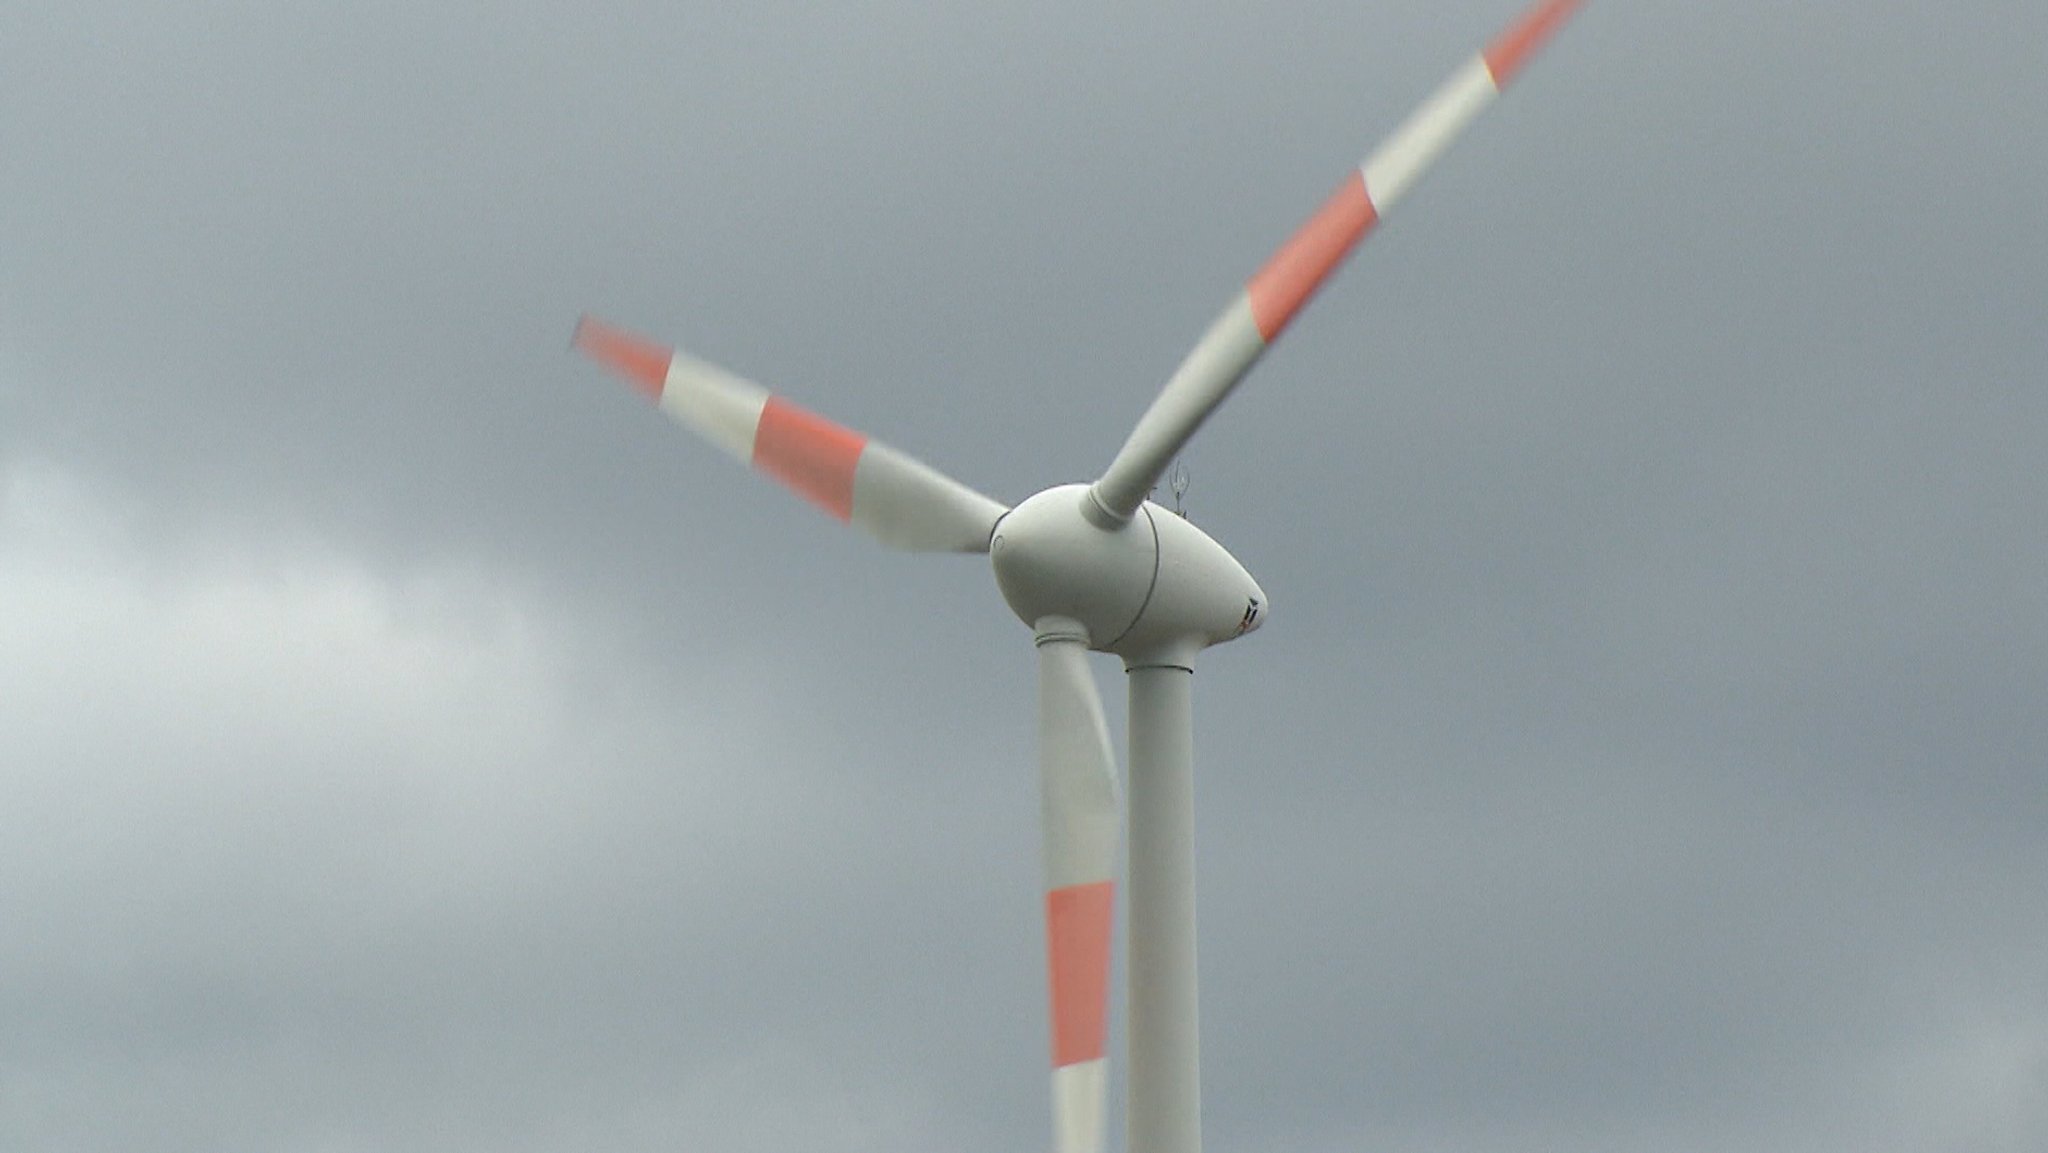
x=1277, y=292
x=1081, y=822
x=893, y=497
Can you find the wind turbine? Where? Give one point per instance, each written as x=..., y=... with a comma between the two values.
x=1099, y=567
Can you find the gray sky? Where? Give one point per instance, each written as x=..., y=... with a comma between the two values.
x=409, y=741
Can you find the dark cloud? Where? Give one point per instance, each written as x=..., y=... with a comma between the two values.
x=408, y=740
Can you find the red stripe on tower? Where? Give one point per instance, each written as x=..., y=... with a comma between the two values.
x=1077, y=927
x=1506, y=55
x=809, y=454
x=1293, y=274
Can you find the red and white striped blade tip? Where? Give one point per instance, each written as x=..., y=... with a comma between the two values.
x=1300, y=266
x=639, y=360
x=1280, y=289
x=894, y=498
x=1082, y=824
x=1513, y=48
x=1079, y=920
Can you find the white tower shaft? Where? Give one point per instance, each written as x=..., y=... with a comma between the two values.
x=1164, y=1112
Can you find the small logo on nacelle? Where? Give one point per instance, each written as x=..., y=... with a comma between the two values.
x=1251, y=616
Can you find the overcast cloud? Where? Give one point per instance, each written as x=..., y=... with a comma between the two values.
x=410, y=741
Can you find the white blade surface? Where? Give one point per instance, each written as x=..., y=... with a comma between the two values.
x=895, y=498
x=1272, y=297
x=1081, y=817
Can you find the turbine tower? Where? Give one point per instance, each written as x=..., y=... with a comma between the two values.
x=1098, y=567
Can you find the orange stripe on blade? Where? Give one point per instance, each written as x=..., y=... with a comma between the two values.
x=1506, y=55
x=809, y=454
x=641, y=361
x=1077, y=925
x=1292, y=276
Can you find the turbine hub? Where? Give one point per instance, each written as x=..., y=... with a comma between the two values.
x=1155, y=588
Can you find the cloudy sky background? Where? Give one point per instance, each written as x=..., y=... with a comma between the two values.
x=410, y=741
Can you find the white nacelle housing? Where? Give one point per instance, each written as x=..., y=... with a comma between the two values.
x=1155, y=589
x=1200, y=595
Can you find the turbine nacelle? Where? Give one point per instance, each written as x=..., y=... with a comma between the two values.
x=1153, y=589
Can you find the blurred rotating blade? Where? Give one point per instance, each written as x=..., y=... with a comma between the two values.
x=1255, y=319
x=1081, y=823
x=895, y=498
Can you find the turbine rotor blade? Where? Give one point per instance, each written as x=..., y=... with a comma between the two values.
x=1278, y=291
x=895, y=498
x=1077, y=772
